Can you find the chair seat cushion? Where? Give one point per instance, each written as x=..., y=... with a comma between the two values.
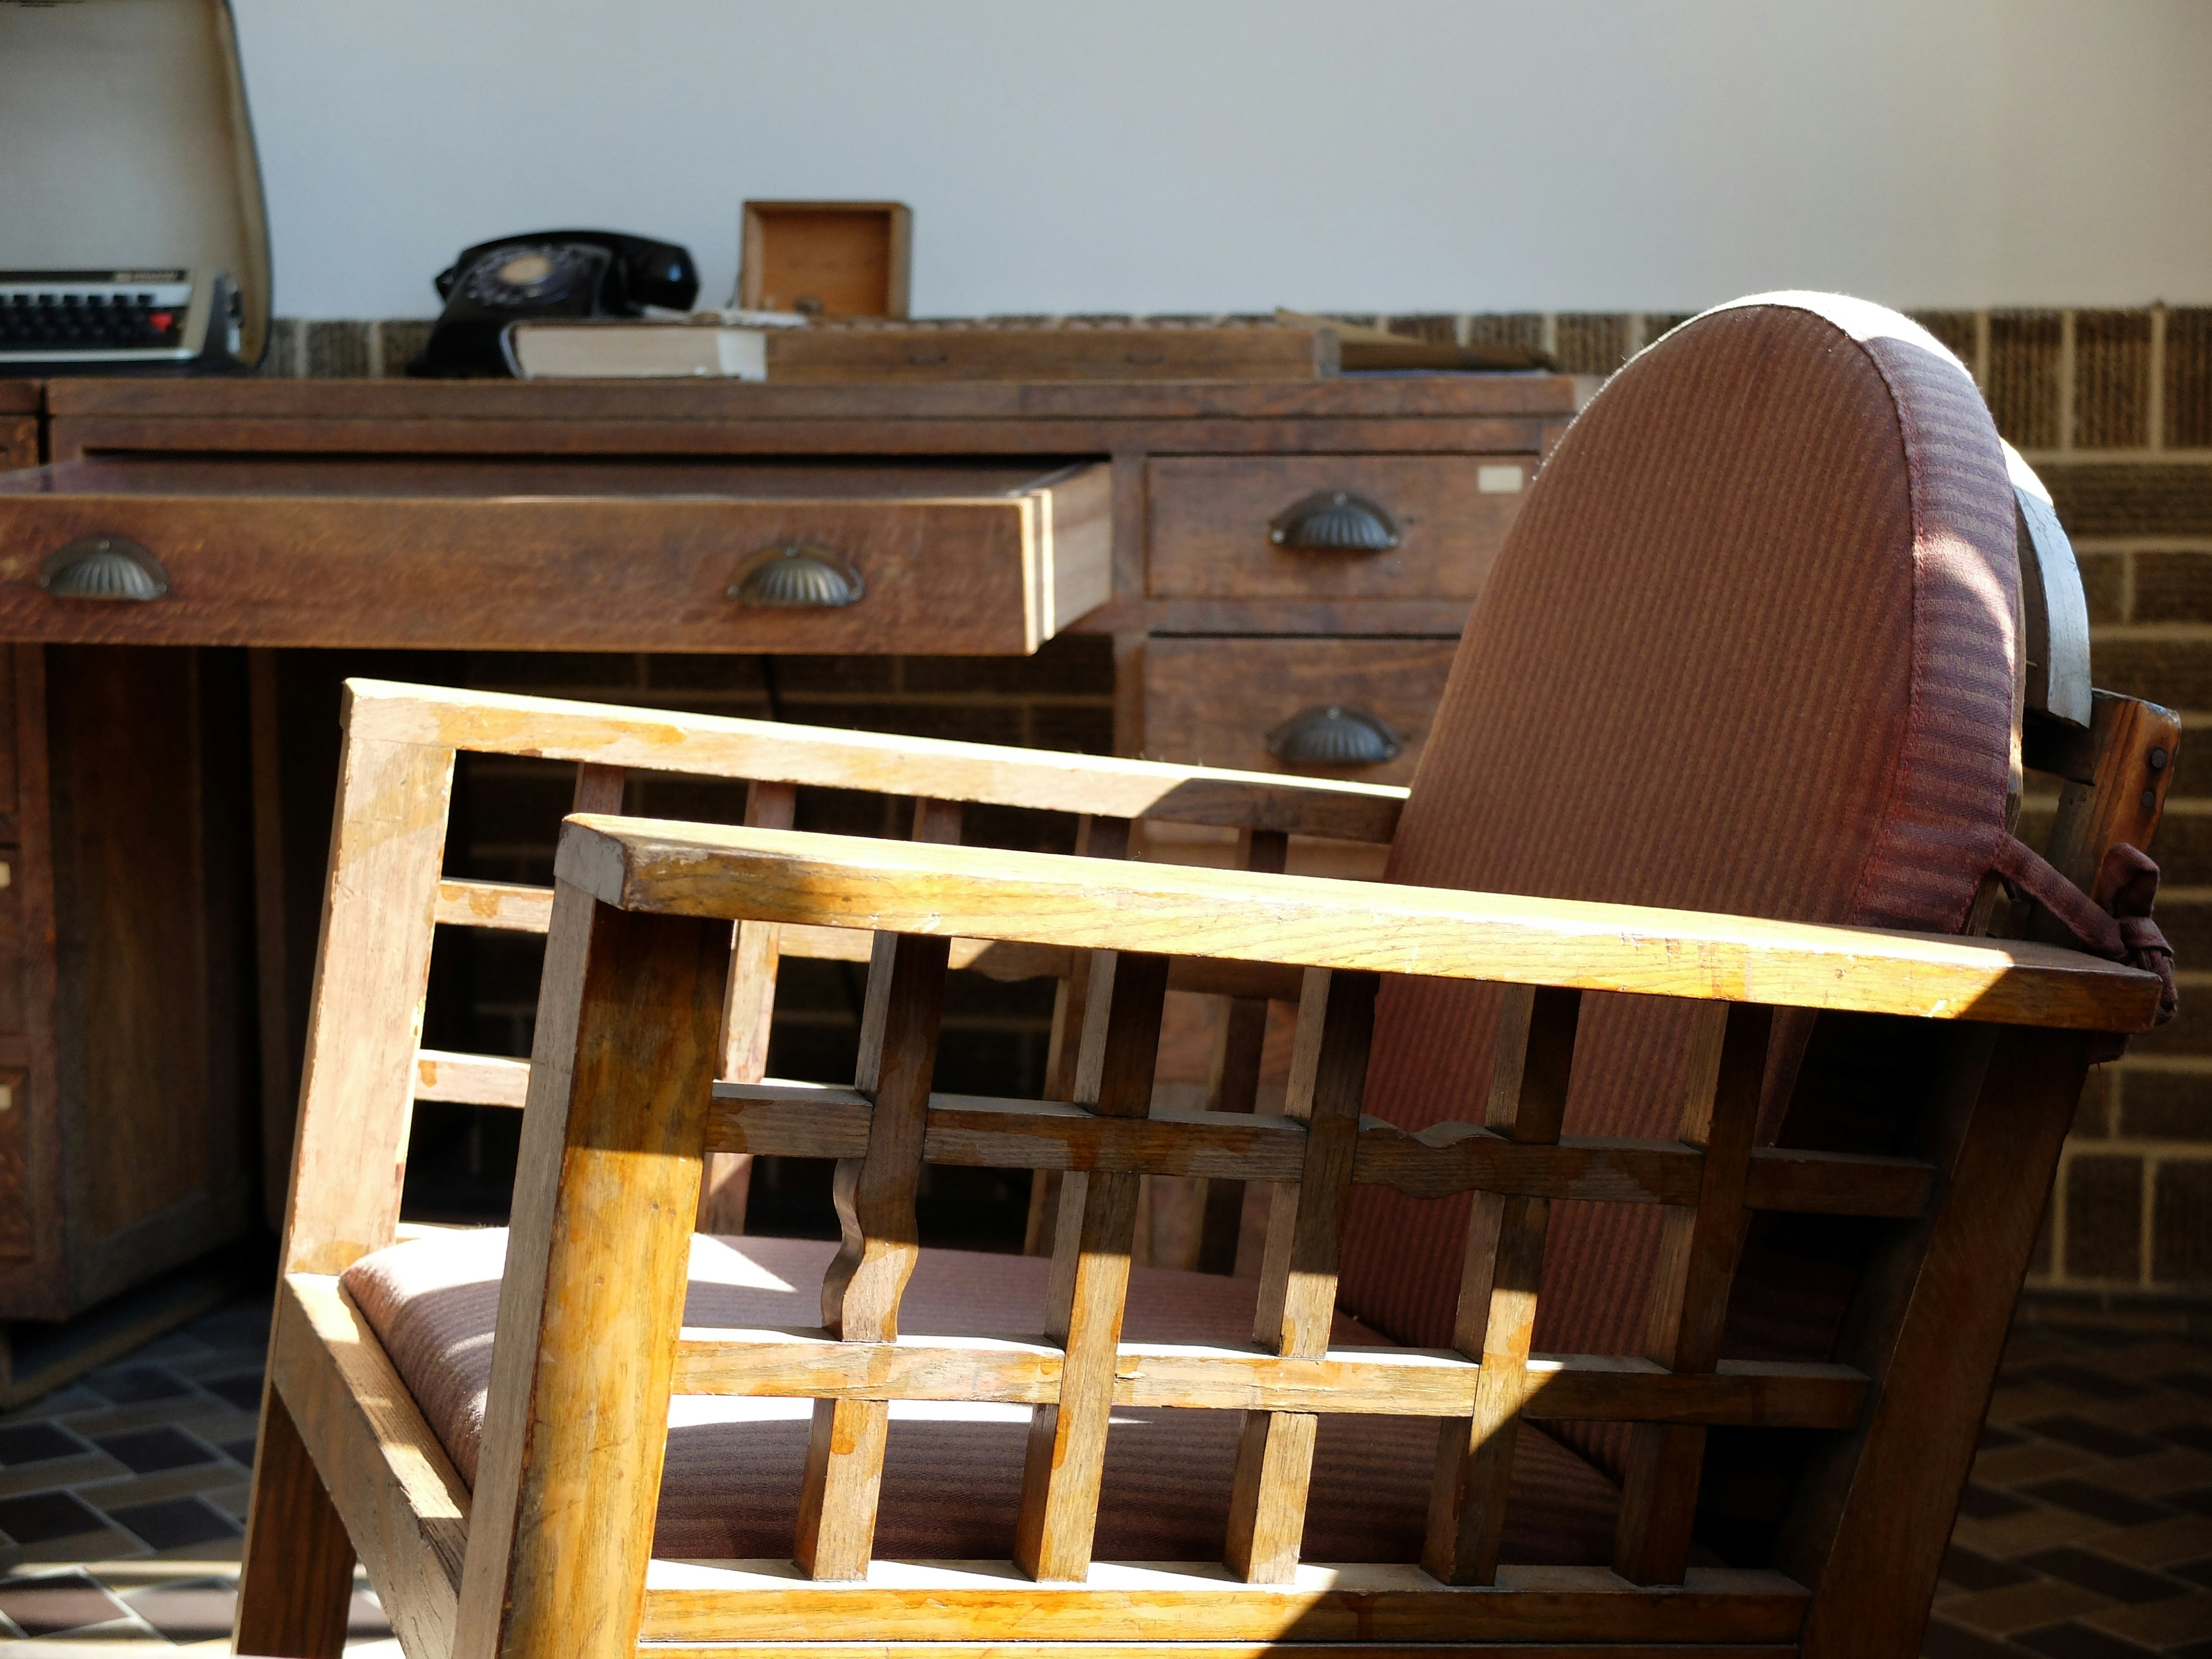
x=1751, y=646
x=952, y=1473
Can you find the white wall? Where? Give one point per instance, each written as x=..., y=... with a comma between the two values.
x=1232, y=155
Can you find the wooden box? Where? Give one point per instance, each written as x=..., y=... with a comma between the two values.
x=825, y=259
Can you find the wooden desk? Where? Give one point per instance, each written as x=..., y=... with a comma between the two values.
x=974, y=519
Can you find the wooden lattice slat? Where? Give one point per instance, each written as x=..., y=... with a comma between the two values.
x=755, y=949
x=1297, y=1274
x=1057, y=1515
x=1690, y=1286
x=1389, y=1381
x=1233, y=1076
x=1497, y=1315
x=860, y=1293
x=1095, y=838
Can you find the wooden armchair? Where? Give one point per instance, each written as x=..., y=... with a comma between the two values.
x=1636, y=1264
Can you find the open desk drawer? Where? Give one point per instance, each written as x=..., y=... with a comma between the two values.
x=541, y=554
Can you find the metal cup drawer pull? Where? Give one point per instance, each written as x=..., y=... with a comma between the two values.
x=1334, y=521
x=1334, y=734
x=797, y=576
x=108, y=567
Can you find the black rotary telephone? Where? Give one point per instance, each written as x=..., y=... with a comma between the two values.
x=547, y=273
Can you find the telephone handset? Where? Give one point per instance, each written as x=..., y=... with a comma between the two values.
x=547, y=273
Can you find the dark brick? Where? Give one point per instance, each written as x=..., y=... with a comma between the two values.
x=148, y=1451
x=2181, y=1223
x=2165, y=1106
x=399, y=341
x=1955, y=329
x=1515, y=328
x=2104, y=578
x=1438, y=328
x=2101, y=1438
x=2197, y=1572
x=60, y=1601
x=1081, y=730
x=2171, y=587
x=1993, y=1438
x=1590, y=343
x=726, y=679
x=2091, y=1115
x=175, y=1522
x=2040, y=1261
x=42, y=1517
x=2104, y=1217
x=864, y=675
x=592, y=675
x=2184, y=848
x=37, y=1443
x=282, y=357
x=337, y=351
x=2200, y=1499
x=2117, y=1508
x=2175, y=673
x=2126, y=498
x=2111, y=379
x=2189, y=378
x=2188, y=928
x=2023, y=383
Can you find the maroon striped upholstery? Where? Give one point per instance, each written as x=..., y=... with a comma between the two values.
x=951, y=1479
x=1750, y=647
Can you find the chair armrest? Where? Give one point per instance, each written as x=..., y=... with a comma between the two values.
x=771, y=752
x=843, y=881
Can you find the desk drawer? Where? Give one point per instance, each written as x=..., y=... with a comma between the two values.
x=1329, y=526
x=824, y=557
x=1352, y=708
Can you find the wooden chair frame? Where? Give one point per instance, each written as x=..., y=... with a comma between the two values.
x=647, y=1067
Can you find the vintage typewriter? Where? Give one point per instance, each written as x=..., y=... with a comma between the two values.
x=119, y=321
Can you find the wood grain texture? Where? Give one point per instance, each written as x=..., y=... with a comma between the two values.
x=2127, y=797
x=1065, y=1455
x=306, y=404
x=1097, y=836
x=1384, y=1383
x=405, y=1508
x=1297, y=1298
x=1014, y=1649
x=576, y=1419
x=807, y=1119
x=879, y=1245
x=1170, y=1603
x=1214, y=701
x=1495, y=1314
x=36, y=1284
x=527, y=568
x=1044, y=898
x=756, y=949
x=888, y=355
x=715, y=746
x=1690, y=1284
x=295, y=1569
x=1233, y=1075
x=372, y=964
x=1210, y=518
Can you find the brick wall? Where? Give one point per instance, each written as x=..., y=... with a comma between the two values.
x=2114, y=408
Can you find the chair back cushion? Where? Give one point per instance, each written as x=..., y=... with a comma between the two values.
x=1750, y=647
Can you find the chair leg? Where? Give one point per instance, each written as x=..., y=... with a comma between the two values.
x=295, y=1582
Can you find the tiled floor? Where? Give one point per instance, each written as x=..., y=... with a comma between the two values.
x=2086, y=1533
x=123, y=1496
